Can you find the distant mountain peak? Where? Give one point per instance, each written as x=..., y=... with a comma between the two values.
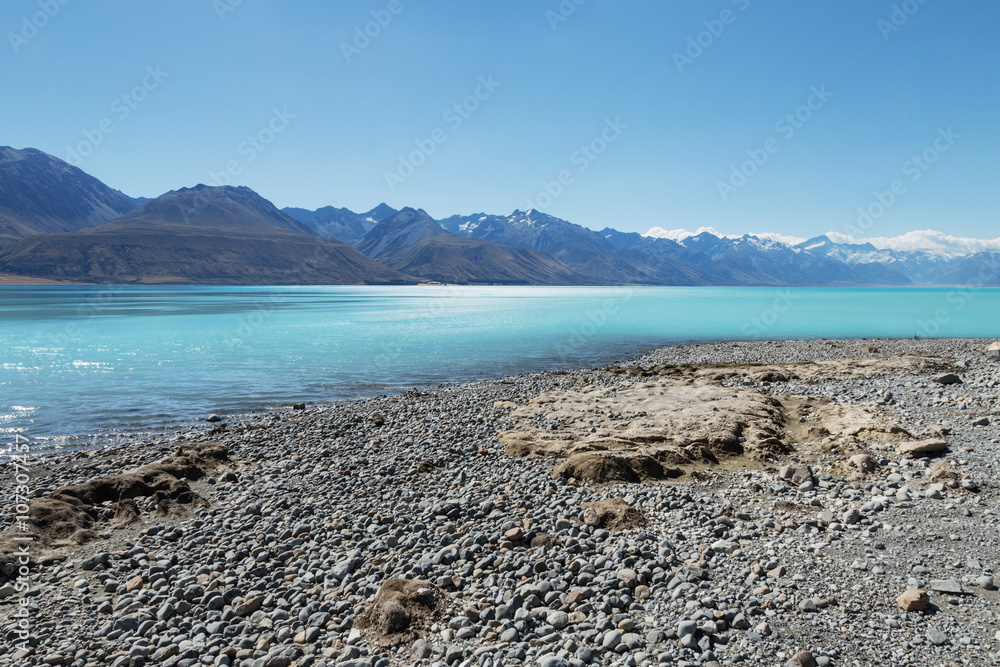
x=219, y=207
x=380, y=212
x=41, y=194
x=341, y=223
x=405, y=228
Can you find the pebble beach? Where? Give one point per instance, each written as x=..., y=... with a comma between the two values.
x=835, y=504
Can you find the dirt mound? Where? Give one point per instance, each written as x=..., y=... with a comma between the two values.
x=942, y=472
x=645, y=431
x=606, y=467
x=612, y=514
x=824, y=424
x=804, y=372
x=661, y=370
x=401, y=608
x=72, y=515
x=163, y=480
x=821, y=371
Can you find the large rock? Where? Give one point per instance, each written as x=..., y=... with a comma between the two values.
x=913, y=599
x=993, y=350
x=951, y=586
x=947, y=378
x=795, y=474
x=923, y=447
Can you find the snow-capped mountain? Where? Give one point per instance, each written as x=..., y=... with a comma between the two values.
x=585, y=250
x=707, y=257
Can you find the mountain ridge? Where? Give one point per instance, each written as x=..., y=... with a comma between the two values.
x=412, y=242
x=215, y=235
x=64, y=220
x=41, y=194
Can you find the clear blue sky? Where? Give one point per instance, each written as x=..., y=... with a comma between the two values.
x=892, y=91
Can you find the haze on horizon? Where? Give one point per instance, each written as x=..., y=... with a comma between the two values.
x=788, y=118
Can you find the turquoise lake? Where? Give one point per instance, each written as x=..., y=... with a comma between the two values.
x=79, y=364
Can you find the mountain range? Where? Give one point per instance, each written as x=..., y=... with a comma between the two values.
x=226, y=235
x=59, y=223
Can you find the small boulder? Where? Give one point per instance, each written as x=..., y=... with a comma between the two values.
x=993, y=350
x=514, y=534
x=96, y=560
x=913, y=599
x=796, y=474
x=725, y=546
x=802, y=659
x=923, y=447
x=687, y=628
x=947, y=378
x=248, y=607
x=863, y=462
x=628, y=577
x=936, y=637
x=558, y=619
x=935, y=491
x=951, y=586
x=421, y=650
x=213, y=419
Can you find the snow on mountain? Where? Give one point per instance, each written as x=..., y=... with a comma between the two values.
x=927, y=240
x=680, y=234
x=842, y=246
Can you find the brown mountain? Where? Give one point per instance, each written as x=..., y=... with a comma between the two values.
x=457, y=259
x=220, y=235
x=40, y=194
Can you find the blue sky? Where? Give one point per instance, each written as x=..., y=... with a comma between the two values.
x=344, y=121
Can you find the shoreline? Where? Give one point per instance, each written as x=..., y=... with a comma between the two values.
x=126, y=437
x=13, y=280
x=421, y=485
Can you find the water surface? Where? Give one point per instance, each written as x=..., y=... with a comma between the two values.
x=79, y=363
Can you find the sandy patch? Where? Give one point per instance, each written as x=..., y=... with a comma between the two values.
x=646, y=430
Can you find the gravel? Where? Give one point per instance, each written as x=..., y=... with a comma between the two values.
x=746, y=562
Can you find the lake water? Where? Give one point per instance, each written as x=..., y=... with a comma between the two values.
x=78, y=364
